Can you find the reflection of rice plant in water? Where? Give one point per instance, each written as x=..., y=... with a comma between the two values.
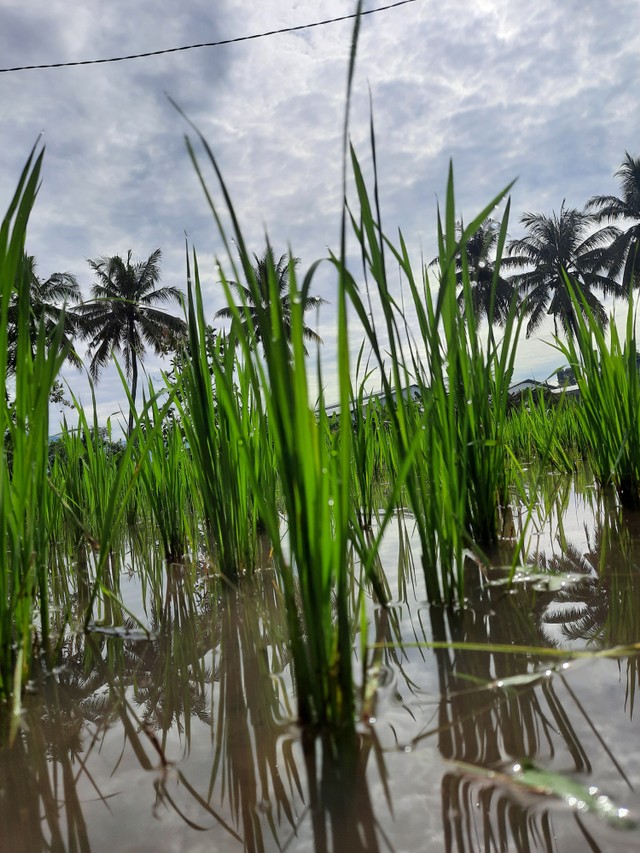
x=503, y=809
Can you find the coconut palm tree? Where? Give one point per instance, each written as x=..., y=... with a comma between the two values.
x=556, y=247
x=624, y=251
x=121, y=316
x=480, y=252
x=259, y=309
x=49, y=305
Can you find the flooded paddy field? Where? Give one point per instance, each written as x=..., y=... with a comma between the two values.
x=509, y=723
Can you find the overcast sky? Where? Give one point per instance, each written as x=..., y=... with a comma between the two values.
x=545, y=93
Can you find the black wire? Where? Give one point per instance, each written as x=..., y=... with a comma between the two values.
x=205, y=44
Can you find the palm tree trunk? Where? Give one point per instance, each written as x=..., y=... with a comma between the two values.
x=134, y=380
x=134, y=388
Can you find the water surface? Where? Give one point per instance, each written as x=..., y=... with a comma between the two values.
x=498, y=738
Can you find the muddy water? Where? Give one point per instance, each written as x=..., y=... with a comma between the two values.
x=499, y=738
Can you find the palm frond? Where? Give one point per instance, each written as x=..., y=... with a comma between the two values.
x=121, y=317
x=255, y=311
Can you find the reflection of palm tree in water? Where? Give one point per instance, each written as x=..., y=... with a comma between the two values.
x=578, y=611
x=603, y=610
x=491, y=728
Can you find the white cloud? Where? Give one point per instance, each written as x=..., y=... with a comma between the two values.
x=541, y=93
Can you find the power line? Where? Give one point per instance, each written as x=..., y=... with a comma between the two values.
x=206, y=44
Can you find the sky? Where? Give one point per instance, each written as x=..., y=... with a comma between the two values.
x=542, y=93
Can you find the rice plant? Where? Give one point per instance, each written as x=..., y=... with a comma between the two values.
x=167, y=479
x=452, y=440
x=220, y=438
x=315, y=477
x=608, y=378
x=313, y=557
x=367, y=420
x=24, y=425
x=546, y=432
x=86, y=470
